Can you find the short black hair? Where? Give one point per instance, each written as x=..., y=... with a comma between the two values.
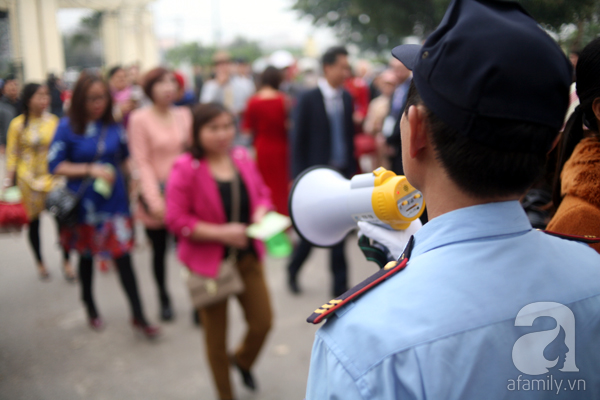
x=113, y=71
x=480, y=170
x=271, y=77
x=7, y=78
x=331, y=55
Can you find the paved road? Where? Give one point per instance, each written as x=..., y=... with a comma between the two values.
x=47, y=350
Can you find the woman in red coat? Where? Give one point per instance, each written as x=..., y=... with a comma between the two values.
x=266, y=118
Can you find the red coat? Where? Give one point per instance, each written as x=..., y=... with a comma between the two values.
x=192, y=195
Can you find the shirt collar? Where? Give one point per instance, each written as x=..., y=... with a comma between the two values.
x=328, y=91
x=470, y=223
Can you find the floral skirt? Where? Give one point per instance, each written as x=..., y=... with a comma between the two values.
x=111, y=239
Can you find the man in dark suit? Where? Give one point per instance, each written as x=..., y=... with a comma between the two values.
x=323, y=134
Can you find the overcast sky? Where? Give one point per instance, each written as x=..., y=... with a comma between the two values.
x=269, y=21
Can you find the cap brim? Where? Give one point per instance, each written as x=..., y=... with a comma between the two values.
x=407, y=54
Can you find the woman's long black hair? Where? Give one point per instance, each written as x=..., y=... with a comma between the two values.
x=26, y=95
x=588, y=89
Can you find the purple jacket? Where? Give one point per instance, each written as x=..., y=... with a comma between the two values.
x=192, y=195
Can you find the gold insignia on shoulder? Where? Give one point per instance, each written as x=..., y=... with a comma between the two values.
x=327, y=306
x=390, y=265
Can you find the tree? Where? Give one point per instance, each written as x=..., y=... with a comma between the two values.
x=192, y=53
x=83, y=47
x=244, y=48
x=379, y=25
x=197, y=54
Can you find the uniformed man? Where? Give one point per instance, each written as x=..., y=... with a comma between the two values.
x=480, y=305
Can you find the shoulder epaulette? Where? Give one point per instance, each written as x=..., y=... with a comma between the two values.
x=392, y=268
x=584, y=239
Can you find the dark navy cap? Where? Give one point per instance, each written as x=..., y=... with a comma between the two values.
x=490, y=59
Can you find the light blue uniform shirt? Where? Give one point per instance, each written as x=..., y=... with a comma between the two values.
x=444, y=328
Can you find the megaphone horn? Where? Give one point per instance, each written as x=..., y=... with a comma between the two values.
x=325, y=206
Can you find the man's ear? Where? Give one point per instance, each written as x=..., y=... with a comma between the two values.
x=596, y=108
x=418, y=131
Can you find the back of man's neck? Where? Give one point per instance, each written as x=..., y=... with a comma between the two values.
x=444, y=198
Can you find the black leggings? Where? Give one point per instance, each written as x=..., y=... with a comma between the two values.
x=127, y=277
x=34, y=240
x=159, y=238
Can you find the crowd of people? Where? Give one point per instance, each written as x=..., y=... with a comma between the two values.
x=146, y=148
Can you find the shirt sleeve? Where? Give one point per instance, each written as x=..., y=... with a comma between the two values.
x=12, y=145
x=187, y=122
x=5, y=119
x=328, y=379
x=208, y=92
x=298, y=139
x=59, y=148
x=179, y=217
x=139, y=139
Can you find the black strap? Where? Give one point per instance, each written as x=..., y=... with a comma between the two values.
x=235, y=205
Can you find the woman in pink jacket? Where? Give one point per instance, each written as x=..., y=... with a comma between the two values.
x=198, y=206
x=158, y=134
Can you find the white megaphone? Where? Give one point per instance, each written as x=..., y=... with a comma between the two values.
x=325, y=206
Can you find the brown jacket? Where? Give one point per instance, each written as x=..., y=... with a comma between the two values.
x=579, y=211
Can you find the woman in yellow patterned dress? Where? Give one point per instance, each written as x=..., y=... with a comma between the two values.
x=28, y=138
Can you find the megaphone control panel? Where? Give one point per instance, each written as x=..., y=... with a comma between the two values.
x=394, y=201
x=325, y=206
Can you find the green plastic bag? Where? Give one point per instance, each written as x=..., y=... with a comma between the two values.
x=279, y=246
x=12, y=195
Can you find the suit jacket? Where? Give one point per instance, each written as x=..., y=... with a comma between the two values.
x=193, y=195
x=311, y=135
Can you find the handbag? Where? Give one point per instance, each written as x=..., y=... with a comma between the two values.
x=13, y=215
x=63, y=203
x=205, y=291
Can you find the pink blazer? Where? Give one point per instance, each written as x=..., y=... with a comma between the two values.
x=192, y=195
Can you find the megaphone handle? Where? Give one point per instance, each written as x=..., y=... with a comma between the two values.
x=373, y=252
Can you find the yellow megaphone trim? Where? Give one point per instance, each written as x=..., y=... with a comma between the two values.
x=388, y=190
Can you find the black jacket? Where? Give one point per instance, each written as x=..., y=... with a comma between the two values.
x=311, y=133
